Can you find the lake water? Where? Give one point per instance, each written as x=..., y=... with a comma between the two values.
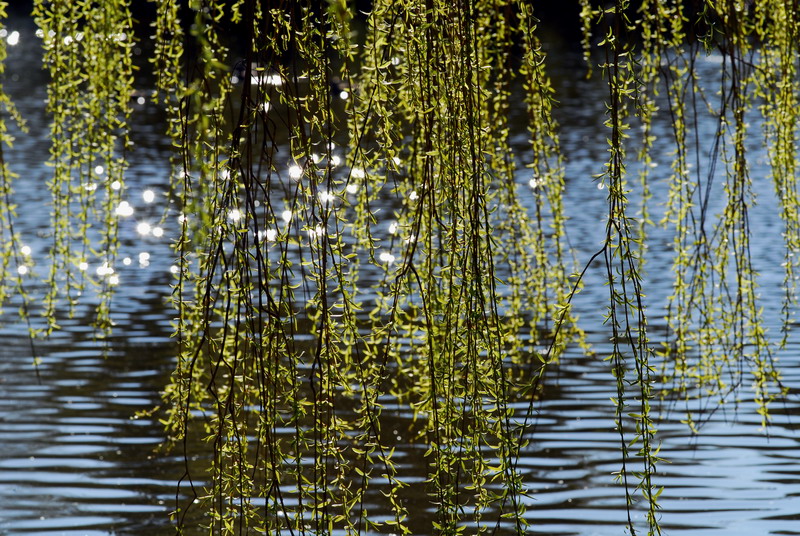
x=75, y=459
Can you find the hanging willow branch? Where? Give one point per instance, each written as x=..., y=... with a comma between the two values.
x=15, y=256
x=361, y=231
x=87, y=51
x=296, y=234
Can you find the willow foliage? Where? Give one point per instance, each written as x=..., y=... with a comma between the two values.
x=360, y=232
x=87, y=54
x=12, y=250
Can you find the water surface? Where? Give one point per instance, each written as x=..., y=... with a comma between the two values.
x=76, y=459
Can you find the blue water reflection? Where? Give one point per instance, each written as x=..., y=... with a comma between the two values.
x=74, y=458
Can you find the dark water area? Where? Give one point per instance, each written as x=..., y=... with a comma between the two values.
x=78, y=451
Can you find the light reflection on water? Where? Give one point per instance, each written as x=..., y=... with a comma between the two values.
x=73, y=455
x=74, y=460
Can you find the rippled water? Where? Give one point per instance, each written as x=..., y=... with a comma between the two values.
x=74, y=459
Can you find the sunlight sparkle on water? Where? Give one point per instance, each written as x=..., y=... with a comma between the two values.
x=358, y=173
x=261, y=78
x=235, y=215
x=386, y=257
x=124, y=209
x=26, y=250
x=174, y=269
x=127, y=261
x=413, y=195
x=143, y=228
x=22, y=270
x=149, y=196
x=116, y=185
x=295, y=172
x=98, y=170
x=286, y=215
x=113, y=280
x=104, y=269
x=83, y=266
x=316, y=231
x=326, y=197
x=271, y=235
x=13, y=38
x=158, y=232
x=352, y=188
